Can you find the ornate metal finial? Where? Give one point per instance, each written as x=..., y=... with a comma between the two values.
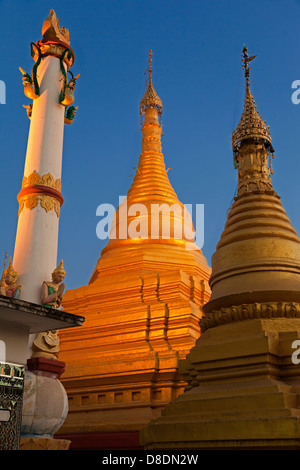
x=150, y=64
x=245, y=61
x=150, y=98
x=251, y=125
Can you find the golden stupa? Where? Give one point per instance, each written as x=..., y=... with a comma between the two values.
x=243, y=387
x=142, y=307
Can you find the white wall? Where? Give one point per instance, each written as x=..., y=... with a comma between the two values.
x=13, y=343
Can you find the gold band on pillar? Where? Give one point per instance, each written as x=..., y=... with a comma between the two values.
x=40, y=189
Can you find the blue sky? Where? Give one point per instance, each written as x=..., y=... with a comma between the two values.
x=197, y=73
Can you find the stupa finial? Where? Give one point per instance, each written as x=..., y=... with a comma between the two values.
x=150, y=98
x=246, y=61
x=251, y=125
x=150, y=64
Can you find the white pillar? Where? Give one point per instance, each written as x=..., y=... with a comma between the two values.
x=35, y=255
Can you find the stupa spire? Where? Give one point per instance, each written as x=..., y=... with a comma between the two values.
x=151, y=185
x=151, y=213
x=150, y=98
x=251, y=141
x=259, y=249
x=151, y=182
x=251, y=125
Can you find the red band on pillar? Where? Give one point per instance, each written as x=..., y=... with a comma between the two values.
x=40, y=189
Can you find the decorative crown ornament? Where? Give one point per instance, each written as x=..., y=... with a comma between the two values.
x=2, y=282
x=10, y=270
x=150, y=98
x=51, y=30
x=59, y=269
x=8, y=282
x=251, y=124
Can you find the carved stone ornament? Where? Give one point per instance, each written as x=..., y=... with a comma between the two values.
x=51, y=30
x=249, y=311
x=43, y=190
x=45, y=180
x=46, y=344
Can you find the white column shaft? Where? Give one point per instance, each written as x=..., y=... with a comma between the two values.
x=35, y=255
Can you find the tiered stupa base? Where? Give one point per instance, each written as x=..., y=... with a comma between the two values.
x=122, y=369
x=243, y=390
